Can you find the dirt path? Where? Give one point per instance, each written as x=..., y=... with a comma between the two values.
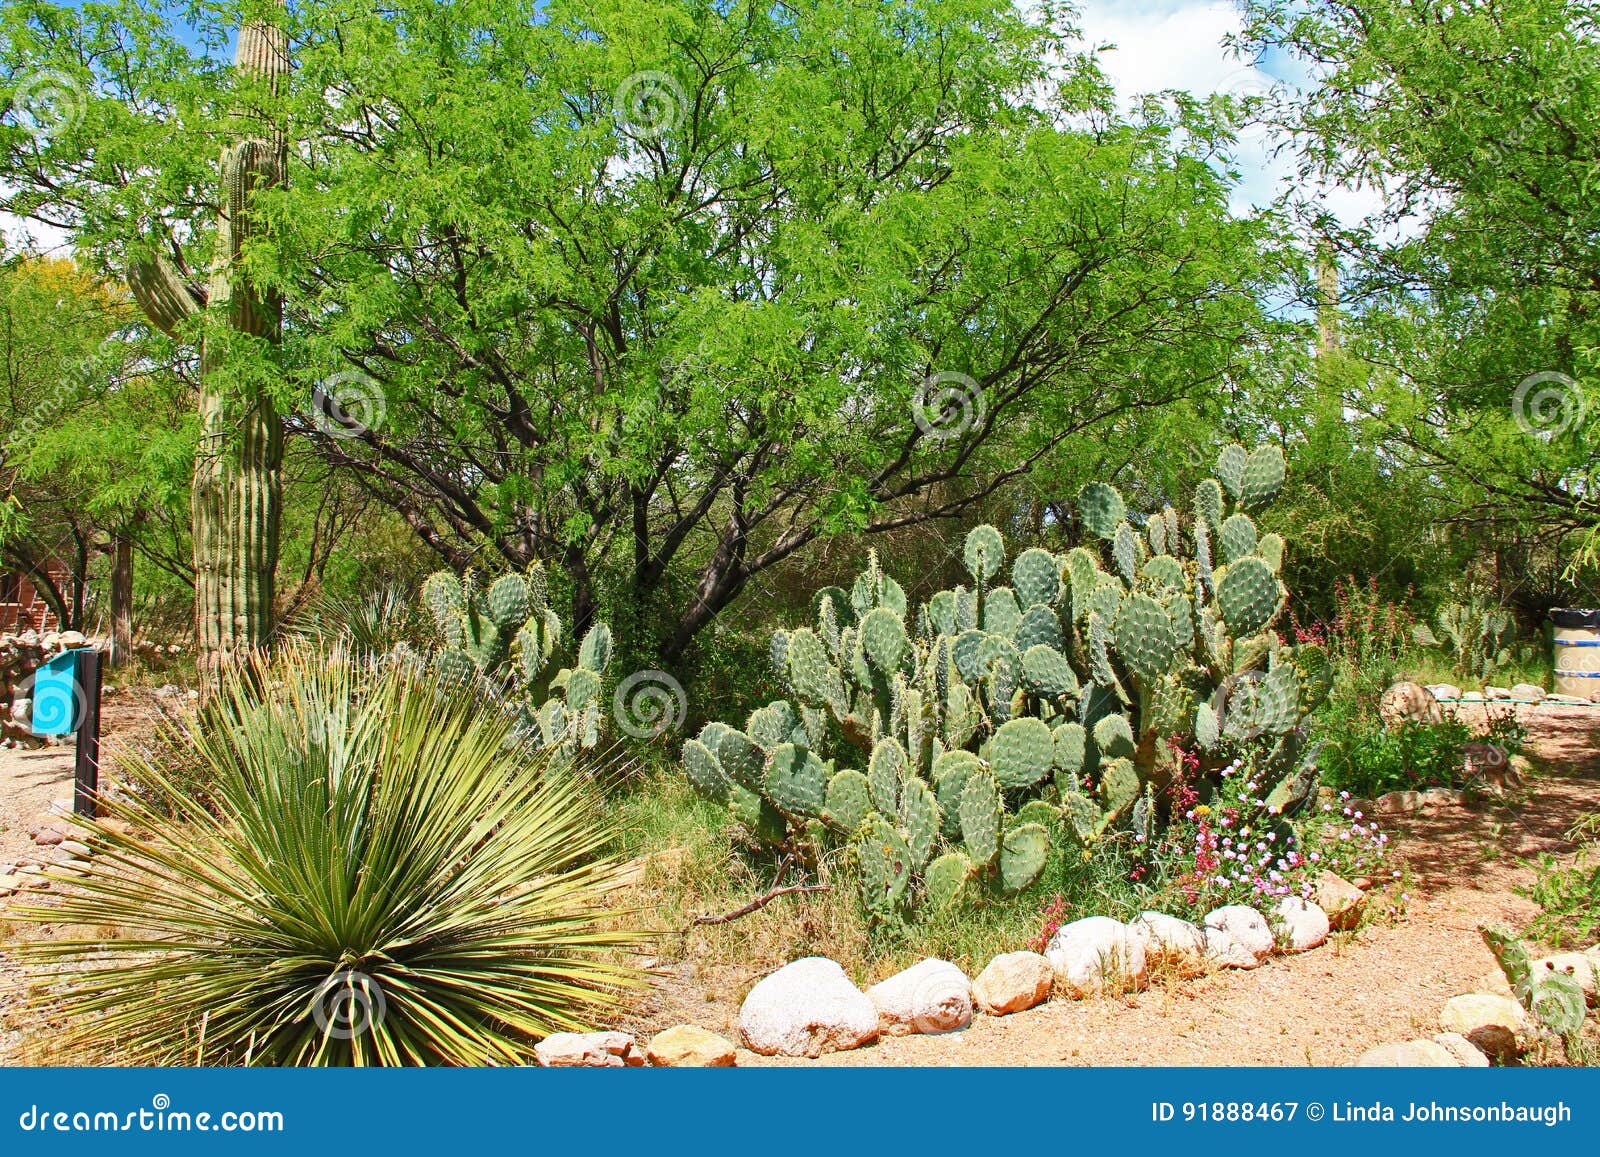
x=1326, y=1007
x=30, y=779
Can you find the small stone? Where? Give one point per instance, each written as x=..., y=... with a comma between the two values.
x=10, y=883
x=1440, y=797
x=1527, y=691
x=1467, y=1054
x=1302, y=925
x=1444, y=690
x=1363, y=882
x=1012, y=982
x=1409, y=702
x=1494, y=1023
x=1410, y=1054
x=49, y=837
x=605, y=1050
x=1096, y=955
x=1169, y=941
x=1392, y=803
x=1497, y=692
x=1237, y=936
x=77, y=848
x=71, y=639
x=932, y=996
x=688, y=1046
x=805, y=1009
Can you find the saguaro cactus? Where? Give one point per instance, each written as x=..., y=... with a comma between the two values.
x=238, y=462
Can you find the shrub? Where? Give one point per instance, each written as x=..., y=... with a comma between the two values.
x=1568, y=893
x=384, y=875
x=372, y=623
x=1369, y=759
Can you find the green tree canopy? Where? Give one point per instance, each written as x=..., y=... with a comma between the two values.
x=664, y=291
x=1475, y=292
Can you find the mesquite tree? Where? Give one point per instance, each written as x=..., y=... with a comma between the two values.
x=662, y=292
x=238, y=462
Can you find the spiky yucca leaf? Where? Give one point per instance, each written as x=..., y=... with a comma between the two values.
x=384, y=875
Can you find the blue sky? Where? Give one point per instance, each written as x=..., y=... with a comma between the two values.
x=1179, y=44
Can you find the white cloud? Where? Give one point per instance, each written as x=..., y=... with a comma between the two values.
x=1180, y=44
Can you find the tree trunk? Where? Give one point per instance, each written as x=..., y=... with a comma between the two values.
x=121, y=599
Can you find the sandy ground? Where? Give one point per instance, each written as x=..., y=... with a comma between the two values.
x=1386, y=982
x=30, y=779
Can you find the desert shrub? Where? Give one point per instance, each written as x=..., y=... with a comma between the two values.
x=382, y=873
x=1367, y=758
x=1568, y=890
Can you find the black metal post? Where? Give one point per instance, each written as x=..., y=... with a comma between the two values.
x=86, y=786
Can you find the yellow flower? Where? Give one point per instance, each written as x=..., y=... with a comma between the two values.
x=1201, y=812
x=1086, y=855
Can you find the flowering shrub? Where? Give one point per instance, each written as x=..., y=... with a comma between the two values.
x=1232, y=850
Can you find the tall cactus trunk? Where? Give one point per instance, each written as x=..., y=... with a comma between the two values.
x=238, y=462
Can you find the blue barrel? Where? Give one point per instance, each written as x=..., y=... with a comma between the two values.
x=57, y=696
x=1577, y=652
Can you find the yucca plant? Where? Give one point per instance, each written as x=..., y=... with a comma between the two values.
x=382, y=874
x=370, y=623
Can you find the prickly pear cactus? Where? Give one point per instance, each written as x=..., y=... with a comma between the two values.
x=504, y=637
x=974, y=734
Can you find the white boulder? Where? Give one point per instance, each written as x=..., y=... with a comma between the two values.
x=594, y=1050
x=1301, y=924
x=805, y=1009
x=1168, y=940
x=931, y=997
x=1237, y=936
x=1096, y=955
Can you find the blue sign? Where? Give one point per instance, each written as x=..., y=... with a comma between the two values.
x=57, y=696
